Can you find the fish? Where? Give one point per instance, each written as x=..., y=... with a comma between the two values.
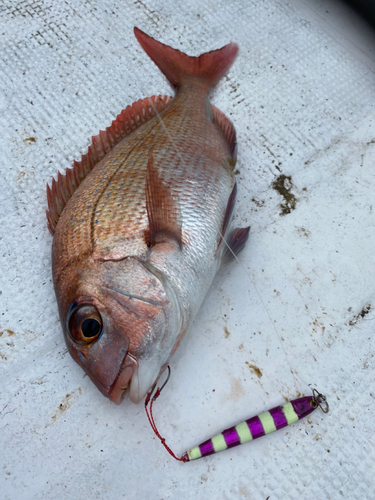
x=142, y=224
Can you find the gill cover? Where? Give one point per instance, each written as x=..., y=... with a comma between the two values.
x=122, y=327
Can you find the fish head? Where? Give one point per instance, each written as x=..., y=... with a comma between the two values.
x=120, y=320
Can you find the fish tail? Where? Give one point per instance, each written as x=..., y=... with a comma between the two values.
x=177, y=66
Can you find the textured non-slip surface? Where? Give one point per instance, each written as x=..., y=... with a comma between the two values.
x=298, y=309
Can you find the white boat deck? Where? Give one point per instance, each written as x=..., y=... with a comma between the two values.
x=299, y=309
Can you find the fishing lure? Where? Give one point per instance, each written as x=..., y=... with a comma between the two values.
x=253, y=428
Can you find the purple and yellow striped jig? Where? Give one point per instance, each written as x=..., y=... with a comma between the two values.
x=253, y=428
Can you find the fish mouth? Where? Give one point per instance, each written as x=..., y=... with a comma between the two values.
x=119, y=387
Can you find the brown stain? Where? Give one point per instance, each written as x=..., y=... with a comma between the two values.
x=27, y=173
x=289, y=398
x=41, y=381
x=29, y=140
x=317, y=325
x=258, y=203
x=9, y=332
x=307, y=281
x=65, y=405
x=240, y=347
x=232, y=163
x=236, y=389
x=244, y=492
x=254, y=369
x=304, y=232
x=283, y=185
x=365, y=310
x=226, y=332
x=2, y=356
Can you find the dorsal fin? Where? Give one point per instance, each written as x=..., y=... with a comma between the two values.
x=228, y=130
x=162, y=210
x=128, y=120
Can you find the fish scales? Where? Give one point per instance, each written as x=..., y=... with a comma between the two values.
x=139, y=241
x=120, y=177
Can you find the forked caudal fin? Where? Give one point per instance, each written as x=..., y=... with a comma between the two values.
x=176, y=65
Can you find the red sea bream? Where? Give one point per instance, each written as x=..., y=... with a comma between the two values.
x=142, y=224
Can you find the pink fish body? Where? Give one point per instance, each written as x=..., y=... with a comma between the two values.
x=142, y=224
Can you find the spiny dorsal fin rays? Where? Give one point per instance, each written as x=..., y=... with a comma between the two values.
x=162, y=210
x=228, y=130
x=128, y=120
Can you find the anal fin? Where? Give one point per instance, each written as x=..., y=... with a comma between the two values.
x=235, y=242
x=162, y=210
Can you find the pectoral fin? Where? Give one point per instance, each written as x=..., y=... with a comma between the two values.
x=229, y=210
x=234, y=244
x=162, y=210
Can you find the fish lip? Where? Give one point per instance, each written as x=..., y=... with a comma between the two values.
x=121, y=383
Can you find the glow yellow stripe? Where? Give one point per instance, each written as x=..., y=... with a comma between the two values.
x=290, y=415
x=267, y=422
x=243, y=432
x=194, y=453
x=219, y=443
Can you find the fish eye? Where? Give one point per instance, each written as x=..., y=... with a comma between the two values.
x=85, y=324
x=90, y=328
